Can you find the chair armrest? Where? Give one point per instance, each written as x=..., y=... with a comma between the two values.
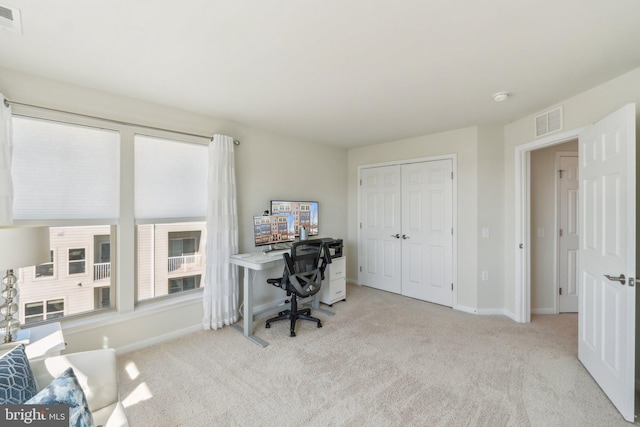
x=96, y=371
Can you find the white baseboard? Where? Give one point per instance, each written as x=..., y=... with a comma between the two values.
x=257, y=309
x=465, y=309
x=510, y=315
x=490, y=311
x=543, y=311
x=159, y=339
x=496, y=311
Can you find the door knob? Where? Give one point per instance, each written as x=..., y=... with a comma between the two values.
x=397, y=236
x=620, y=279
x=404, y=236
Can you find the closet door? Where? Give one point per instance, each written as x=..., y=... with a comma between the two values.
x=380, y=228
x=427, y=231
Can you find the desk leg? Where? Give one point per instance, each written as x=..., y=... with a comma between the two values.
x=315, y=304
x=247, y=314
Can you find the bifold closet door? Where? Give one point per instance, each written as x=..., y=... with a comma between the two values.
x=427, y=231
x=406, y=223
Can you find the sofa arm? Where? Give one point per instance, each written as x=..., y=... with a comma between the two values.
x=96, y=371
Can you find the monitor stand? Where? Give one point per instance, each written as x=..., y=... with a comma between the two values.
x=272, y=247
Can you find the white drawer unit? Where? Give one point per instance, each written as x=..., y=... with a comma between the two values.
x=334, y=285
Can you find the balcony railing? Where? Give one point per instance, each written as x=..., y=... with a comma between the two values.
x=185, y=262
x=101, y=271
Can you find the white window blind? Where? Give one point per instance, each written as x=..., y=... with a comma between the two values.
x=64, y=171
x=170, y=179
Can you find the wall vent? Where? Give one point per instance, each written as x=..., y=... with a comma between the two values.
x=549, y=122
x=10, y=19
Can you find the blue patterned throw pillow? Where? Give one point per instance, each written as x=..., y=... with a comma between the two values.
x=66, y=390
x=17, y=382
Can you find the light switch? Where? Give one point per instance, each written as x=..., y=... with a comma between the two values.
x=540, y=232
x=485, y=275
x=485, y=232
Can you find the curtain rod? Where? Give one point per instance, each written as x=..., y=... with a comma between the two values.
x=7, y=103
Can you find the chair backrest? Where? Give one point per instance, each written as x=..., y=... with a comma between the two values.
x=305, y=266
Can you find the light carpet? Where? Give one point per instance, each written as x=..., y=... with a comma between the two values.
x=382, y=360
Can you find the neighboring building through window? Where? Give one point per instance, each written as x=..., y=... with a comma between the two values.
x=184, y=284
x=72, y=282
x=43, y=310
x=168, y=254
x=77, y=260
x=46, y=269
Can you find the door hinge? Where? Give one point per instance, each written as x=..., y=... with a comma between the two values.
x=360, y=225
x=451, y=175
x=452, y=231
x=452, y=286
x=360, y=269
x=560, y=172
x=561, y=232
x=560, y=291
x=360, y=182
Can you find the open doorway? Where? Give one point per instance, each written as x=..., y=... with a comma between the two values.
x=554, y=238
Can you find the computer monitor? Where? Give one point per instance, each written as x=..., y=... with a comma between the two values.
x=273, y=229
x=305, y=214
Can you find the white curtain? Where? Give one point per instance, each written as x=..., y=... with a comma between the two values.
x=221, y=292
x=6, y=184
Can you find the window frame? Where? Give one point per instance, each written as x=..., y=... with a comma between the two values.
x=123, y=285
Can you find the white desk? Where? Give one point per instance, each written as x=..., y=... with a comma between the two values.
x=252, y=263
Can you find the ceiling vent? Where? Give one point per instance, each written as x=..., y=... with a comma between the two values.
x=10, y=19
x=549, y=122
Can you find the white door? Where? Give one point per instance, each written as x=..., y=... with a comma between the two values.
x=427, y=231
x=606, y=327
x=568, y=233
x=380, y=228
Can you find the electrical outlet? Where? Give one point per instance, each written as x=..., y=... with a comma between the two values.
x=485, y=276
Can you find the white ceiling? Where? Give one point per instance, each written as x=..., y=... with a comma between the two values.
x=343, y=72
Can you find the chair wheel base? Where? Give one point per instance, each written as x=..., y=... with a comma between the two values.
x=293, y=334
x=319, y=324
x=267, y=325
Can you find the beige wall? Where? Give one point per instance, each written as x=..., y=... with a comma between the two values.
x=463, y=143
x=491, y=218
x=581, y=110
x=267, y=166
x=271, y=166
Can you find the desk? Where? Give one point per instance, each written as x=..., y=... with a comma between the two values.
x=252, y=263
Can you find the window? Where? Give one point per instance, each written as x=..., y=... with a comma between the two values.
x=184, y=284
x=102, y=258
x=102, y=297
x=42, y=310
x=76, y=261
x=80, y=201
x=167, y=252
x=184, y=252
x=170, y=183
x=77, y=287
x=45, y=270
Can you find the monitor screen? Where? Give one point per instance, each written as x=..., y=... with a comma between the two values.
x=305, y=214
x=272, y=229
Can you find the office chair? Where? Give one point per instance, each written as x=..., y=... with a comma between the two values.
x=302, y=277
